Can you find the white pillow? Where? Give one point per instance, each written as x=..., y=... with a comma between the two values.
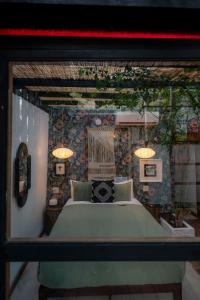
x=116, y=183
x=81, y=190
x=127, y=181
x=120, y=179
x=71, y=187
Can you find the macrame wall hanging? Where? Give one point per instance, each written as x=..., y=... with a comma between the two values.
x=101, y=155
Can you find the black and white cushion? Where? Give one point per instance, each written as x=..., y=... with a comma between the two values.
x=102, y=191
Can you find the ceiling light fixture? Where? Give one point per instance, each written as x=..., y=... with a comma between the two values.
x=145, y=152
x=61, y=151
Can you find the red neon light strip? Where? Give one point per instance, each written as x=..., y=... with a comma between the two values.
x=98, y=34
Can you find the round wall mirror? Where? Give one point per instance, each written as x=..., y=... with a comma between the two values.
x=22, y=174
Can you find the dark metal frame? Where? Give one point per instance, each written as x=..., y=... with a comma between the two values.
x=136, y=15
x=129, y=3
x=36, y=49
x=20, y=83
x=174, y=288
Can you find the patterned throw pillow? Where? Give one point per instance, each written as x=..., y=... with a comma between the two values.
x=102, y=191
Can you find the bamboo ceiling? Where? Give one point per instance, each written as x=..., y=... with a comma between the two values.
x=69, y=72
x=61, y=89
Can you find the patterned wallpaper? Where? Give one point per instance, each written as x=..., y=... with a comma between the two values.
x=71, y=126
x=128, y=165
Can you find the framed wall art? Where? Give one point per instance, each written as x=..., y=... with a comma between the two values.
x=60, y=169
x=150, y=170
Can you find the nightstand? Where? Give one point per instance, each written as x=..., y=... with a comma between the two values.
x=51, y=215
x=154, y=209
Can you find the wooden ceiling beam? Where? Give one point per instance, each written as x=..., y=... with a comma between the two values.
x=21, y=82
x=88, y=96
x=69, y=99
x=67, y=90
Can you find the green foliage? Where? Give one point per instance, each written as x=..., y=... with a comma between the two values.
x=181, y=210
x=139, y=89
x=153, y=92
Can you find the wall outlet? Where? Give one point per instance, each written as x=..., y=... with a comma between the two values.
x=145, y=188
x=55, y=190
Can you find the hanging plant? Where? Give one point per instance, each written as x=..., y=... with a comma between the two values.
x=135, y=88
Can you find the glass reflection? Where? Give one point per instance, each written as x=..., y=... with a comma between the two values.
x=120, y=108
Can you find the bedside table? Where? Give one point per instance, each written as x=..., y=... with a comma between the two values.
x=51, y=215
x=154, y=210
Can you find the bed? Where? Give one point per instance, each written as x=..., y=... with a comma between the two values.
x=121, y=219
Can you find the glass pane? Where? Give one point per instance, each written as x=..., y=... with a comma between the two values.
x=99, y=280
x=105, y=150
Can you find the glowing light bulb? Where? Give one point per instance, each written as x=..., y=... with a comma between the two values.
x=62, y=152
x=145, y=152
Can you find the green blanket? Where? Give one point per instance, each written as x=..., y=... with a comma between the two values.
x=106, y=221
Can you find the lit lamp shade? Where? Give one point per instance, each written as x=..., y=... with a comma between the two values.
x=145, y=152
x=62, y=153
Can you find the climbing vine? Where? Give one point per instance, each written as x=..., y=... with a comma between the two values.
x=137, y=88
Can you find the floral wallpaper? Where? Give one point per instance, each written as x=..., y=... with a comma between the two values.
x=123, y=154
x=70, y=127
x=127, y=165
x=159, y=192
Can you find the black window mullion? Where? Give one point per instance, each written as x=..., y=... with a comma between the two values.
x=4, y=85
x=3, y=277
x=144, y=250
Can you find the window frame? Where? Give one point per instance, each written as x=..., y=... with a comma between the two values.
x=35, y=49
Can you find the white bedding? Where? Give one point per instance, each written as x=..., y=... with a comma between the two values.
x=133, y=201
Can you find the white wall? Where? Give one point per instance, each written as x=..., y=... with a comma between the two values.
x=30, y=125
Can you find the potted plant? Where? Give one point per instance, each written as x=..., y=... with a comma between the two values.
x=174, y=222
x=180, y=213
